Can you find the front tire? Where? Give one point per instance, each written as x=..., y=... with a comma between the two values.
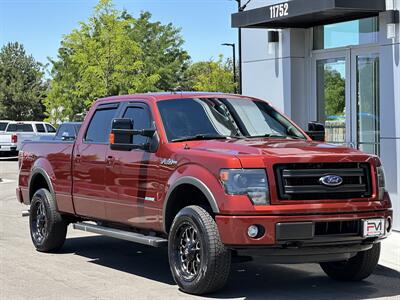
x=47, y=226
x=356, y=268
x=199, y=261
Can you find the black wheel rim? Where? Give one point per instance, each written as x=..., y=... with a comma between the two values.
x=39, y=222
x=188, y=251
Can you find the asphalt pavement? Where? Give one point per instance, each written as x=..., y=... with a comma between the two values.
x=96, y=267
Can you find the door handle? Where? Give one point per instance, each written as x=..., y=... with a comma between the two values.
x=110, y=160
x=78, y=158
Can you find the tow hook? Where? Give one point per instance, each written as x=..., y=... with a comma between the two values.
x=25, y=213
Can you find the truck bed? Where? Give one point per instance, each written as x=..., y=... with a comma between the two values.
x=50, y=155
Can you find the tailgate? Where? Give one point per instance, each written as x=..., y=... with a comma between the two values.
x=5, y=138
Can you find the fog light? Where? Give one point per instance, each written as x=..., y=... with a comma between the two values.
x=252, y=231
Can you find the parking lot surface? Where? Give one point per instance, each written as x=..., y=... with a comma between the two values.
x=95, y=267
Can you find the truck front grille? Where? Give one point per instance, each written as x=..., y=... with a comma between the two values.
x=302, y=181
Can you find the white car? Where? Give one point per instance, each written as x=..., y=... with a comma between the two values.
x=18, y=132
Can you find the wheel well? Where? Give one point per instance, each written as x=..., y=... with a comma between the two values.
x=182, y=196
x=38, y=182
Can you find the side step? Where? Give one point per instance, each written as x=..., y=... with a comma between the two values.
x=122, y=235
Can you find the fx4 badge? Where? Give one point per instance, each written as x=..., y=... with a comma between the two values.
x=168, y=162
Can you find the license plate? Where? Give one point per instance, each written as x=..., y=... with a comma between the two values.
x=374, y=227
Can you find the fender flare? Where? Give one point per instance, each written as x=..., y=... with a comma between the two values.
x=198, y=184
x=39, y=171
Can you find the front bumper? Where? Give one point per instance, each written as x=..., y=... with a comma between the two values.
x=233, y=229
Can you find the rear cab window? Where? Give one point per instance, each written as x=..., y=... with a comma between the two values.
x=19, y=127
x=3, y=126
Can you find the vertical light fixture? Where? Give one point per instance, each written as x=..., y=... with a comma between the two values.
x=273, y=40
x=392, y=19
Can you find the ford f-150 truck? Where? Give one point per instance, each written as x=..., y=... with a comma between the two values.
x=210, y=176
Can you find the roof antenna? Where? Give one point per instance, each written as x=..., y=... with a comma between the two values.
x=176, y=90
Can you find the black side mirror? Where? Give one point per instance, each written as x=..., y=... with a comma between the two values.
x=122, y=133
x=316, y=131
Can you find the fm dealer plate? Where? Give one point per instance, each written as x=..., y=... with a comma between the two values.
x=373, y=227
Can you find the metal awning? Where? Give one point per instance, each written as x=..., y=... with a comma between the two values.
x=307, y=13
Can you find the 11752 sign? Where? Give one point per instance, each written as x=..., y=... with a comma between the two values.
x=279, y=10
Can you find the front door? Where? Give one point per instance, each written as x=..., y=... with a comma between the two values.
x=133, y=175
x=346, y=87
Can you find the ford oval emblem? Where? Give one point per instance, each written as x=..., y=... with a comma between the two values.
x=331, y=180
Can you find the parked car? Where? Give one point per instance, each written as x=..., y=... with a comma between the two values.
x=3, y=125
x=18, y=132
x=209, y=176
x=68, y=131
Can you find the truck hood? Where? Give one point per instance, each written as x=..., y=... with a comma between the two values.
x=274, y=148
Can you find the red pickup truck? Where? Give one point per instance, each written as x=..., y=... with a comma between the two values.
x=210, y=176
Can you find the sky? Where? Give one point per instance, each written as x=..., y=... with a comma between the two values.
x=40, y=24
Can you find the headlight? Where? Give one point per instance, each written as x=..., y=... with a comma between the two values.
x=380, y=181
x=250, y=182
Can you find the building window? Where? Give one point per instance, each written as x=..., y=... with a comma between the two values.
x=357, y=32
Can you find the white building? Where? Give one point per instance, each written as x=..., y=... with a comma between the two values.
x=332, y=61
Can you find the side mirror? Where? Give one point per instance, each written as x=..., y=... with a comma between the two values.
x=316, y=131
x=122, y=133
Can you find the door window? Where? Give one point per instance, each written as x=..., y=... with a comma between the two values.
x=331, y=98
x=40, y=128
x=141, y=120
x=100, y=126
x=367, y=101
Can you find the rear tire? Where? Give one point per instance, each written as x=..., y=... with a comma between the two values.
x=199, y=261
x=47, y=226
x=356, y=268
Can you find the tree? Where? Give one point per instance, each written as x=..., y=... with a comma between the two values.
x=211, y=76
x=162, y=50
x=335, y=92
x=112, y=54
x=22, y=87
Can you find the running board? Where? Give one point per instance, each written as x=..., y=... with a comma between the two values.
x=153, y=241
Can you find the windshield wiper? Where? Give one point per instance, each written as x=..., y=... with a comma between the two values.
x=200, y=137
x=272, y=135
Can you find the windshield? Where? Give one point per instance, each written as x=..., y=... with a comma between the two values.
x=223, y=118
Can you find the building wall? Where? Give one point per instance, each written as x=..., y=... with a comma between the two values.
x=390, y=112
x=284, y=79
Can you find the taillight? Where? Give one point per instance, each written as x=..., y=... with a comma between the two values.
x=14, y=138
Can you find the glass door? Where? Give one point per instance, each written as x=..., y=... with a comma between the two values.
x=365, y=96
x=346, y=87
x=332, y=93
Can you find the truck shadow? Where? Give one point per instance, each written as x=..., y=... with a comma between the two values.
x=251, y=280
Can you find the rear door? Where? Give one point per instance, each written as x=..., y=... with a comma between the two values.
x=89, y=188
